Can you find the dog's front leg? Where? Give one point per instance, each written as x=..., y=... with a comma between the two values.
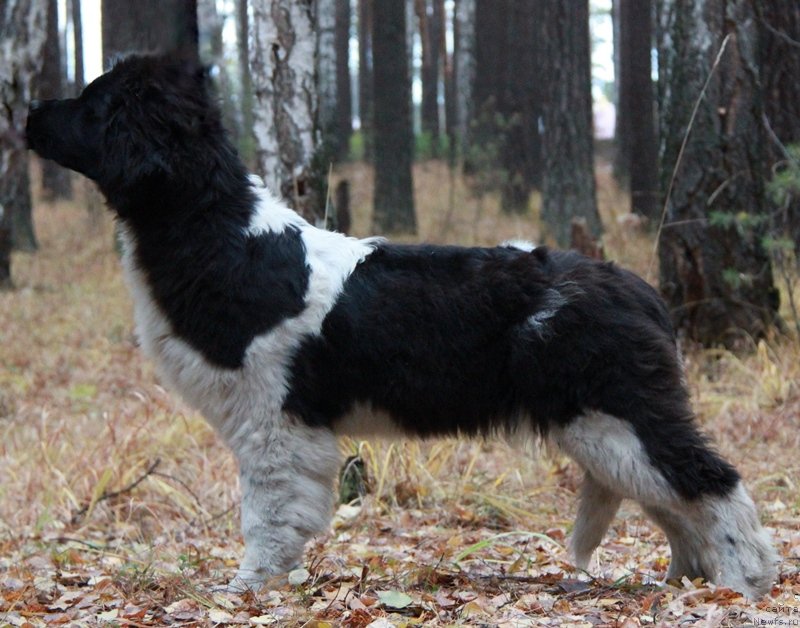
x=287, y=477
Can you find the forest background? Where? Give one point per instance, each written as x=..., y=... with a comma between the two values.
x=466, y=121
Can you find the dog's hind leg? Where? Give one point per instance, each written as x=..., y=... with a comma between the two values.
x=691, y=492
x=597, y=506
x=287, y=476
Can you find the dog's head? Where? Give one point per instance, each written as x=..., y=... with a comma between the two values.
x=143, y=121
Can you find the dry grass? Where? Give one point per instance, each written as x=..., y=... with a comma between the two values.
x=449, y=523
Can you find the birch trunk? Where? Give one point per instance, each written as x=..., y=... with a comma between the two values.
x=23, y=32
x=326, y=65
x=282, y=65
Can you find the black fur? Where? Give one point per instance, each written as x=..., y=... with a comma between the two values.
x=439, y=338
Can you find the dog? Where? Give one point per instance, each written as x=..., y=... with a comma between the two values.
x=286, y=336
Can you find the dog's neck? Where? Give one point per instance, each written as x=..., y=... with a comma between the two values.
x=215, y=191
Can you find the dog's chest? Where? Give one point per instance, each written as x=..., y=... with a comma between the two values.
x=213, y=391
x=256, y=390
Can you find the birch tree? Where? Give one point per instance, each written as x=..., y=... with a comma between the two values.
x=23, y=32
x=282, y=66
x=326, y=65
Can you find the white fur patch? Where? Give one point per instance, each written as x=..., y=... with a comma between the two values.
x=610, y=450
x=522, y=245
x=552, y=303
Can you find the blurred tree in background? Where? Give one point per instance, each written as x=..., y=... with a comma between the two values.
x=716, y=274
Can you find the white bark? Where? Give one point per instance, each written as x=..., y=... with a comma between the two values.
x=326, y=62
x=23, y=32
x=464, y=67
x=282, y=46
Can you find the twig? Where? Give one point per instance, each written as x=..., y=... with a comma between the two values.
x=780, y=34
x=127, y=489
x=776, y=140
x=682, y=150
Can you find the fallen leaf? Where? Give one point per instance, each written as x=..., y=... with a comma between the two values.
x=394, y=599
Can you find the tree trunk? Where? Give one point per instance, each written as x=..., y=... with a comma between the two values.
x=521, y=105
x=430, y=27
x=568, y=187
x=447, y=76
x=620, y=13
x=715, y=274
x=779, y=64
x=56, y=181
x=211, y=50
x=165, y=26
x=344, y=97
x=639, y=115
x=23, y=28
x=394, y=199
x=464, y=71
x=365, y=74
x=282, y=69
x=246, y=141
x=77, y=38
x=325, y=22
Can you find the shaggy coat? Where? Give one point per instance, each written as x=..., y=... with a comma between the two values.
x=286, y=336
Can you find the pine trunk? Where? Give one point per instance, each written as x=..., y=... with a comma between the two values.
x=246, y=141
x=643, y=157
x=344, y=97
x=622, y=59
x=464, y=71
x=521, y=105
x=568, y=186
x=448, y=74
x=430, y=27
x=56, y=181
x=779, y=64
x=77, y=37
x=23, y=31
x=393, y=200
x=715, y=274
x=365, y=80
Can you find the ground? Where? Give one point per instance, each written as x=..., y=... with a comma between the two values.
x=119, y=506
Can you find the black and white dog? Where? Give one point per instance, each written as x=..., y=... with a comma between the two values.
x=286, y=336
